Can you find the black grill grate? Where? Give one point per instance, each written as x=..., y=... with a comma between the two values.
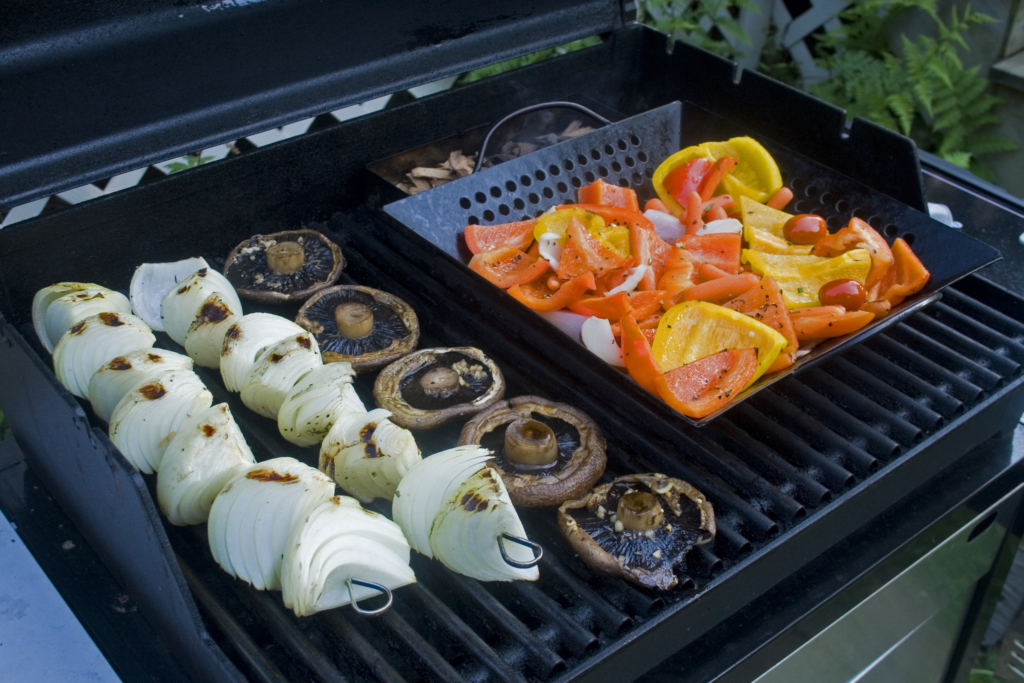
x=769, y=467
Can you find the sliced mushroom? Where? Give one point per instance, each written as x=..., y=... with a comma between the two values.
x=284, y=266
x=432, y=386
x=547, y=453
x=360, y=325
x=638, y=527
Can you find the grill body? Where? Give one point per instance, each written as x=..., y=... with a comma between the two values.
x=807, y=463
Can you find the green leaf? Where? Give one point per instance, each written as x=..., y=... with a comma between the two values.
x=990, y=144
x=961, y=159
x=733, y=28
x=177, y=166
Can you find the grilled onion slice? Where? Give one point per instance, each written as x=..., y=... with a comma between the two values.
x=204, y=454
x=336, y=542
x=111, y=382
x=46, y=296
x=245, y=338
x=149, y=415
x=151, y=283
x=367, y=455
x=66, y=311
x=276, y=370
x=315, y=402
x=205, y=337
x=180, y=306
x=92, y=343
x=252, y=520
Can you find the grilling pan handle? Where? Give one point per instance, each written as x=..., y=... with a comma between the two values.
x=526, y=110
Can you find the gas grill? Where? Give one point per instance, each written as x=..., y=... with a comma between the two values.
x=826, y=484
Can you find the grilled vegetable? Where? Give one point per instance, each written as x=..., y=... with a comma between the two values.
x=316, y=401
x=92, y=343
x=180, y=306
x=111, y=382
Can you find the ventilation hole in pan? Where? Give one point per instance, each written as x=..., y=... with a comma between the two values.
x=488, y=215
x=890, y=231
x=860, y=213
x=908, y=238
x=548, y=193
x=642, y=156
x=465, y=203
x=623, y=182
x=473, y=220
x=875, y=222
x=595, y=155
x=525, y=181
x=800, y=206
x=554, y=170
x=539, y=175
x=609, y=150
x=630, y=162
x=581, y=159
x=589, y=176
x=828, y=198
x=634, y=140
x=834, y=223
x=510, y=185
x=504, y=210
x=524, y=217
x=480, y=197
x=562, y=187
x=533, y=198
x=576, y=182
x=602, y=171
x=811, y=191
x=797, y=183
x=617, y=167
x=785, y=177
x=495, y=192
x=622, y=145
x=638, y=178
x=567, y=165
x=842, y=206
x=518, y=203
x=649, y=172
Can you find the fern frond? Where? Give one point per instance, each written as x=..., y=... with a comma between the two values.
x=952, y=140
x=950, y=118
x=902, y=106
x=982, y=170
x=936, y=70
x=990, y=144
x=981, y=106
x=923, y=94
x=961, y=159
x=733, y=28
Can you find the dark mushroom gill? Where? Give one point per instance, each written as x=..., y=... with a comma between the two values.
x=567, y=436
x=473, y=388
x=249, y=270
x=387, y=324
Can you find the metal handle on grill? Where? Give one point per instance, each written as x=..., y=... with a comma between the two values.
x=527, y=110
x=369, y=584
x=538, y=552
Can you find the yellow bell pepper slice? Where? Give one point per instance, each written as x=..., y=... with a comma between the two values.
x=695, y=329
x=757, y=215
x=800, y=277
x=759, y=240
x=614, y=237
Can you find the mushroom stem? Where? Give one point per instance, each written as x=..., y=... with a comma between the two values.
x=530, y=443
x=439, y=382
x=285, y=257
x=640, y=511
x=354, y=320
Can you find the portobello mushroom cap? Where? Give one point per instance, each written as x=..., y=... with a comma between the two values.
x=432, y=386
x=638, y=527
x=546, y=452
x=360, y=325
x=284, y=266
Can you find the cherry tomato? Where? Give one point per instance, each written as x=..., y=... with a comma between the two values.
x=805, y=228
x=849, y=294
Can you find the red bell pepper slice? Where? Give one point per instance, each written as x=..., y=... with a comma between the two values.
x=611, y=307
x=606, y=194
x=705, y=385
x=858, y=235
x=647, y=304
x=686, y=179
x=538, y=296
x=910, y=274
x=649, y=250
x=583, y=253
x=722, y=168
x=764, y=302
x=636, y=354
x=507, y=266
x=721, y=250
x=483, y=238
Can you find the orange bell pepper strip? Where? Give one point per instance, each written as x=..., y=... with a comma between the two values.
x=722, y=250
x=679, y=258
x=815, y=310
x=766, y=304
x=812, y=327
x=611, y=307
x=721, y=290
x=858, y=235
x=650, y=250
x=708, y=271
x=483, y=238
x=910, y=274
x=507, y=266
x=647, y=304
x=648, y=324
x=605, y=194
x=636, y=354
x=539, y=297
x=722, y=168
x=705, y=385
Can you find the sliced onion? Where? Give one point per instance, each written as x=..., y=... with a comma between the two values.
x=336, y=542
x=367, y=455
x=111, y=382
x=725, y=225
x=149, y=415
x=550, y=248
x=254, y=518
x=567, y=321
x=65, y=312
x=468, y=528
x=315, y=402
x=204, y=454
x=668, y=227
x=151, y=283
x=180, y=306
x=276, y=370
x=46, y=296
x=246, y=337
x=205, y=337
x=630, y=283
x=92, y=343
x=597, y=336
x=428, y=485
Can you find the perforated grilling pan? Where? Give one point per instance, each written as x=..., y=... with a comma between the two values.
x=627, y=153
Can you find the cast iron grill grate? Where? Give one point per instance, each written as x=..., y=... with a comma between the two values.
x=769, y=467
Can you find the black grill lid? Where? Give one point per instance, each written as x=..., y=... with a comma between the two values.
x=96, y=89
